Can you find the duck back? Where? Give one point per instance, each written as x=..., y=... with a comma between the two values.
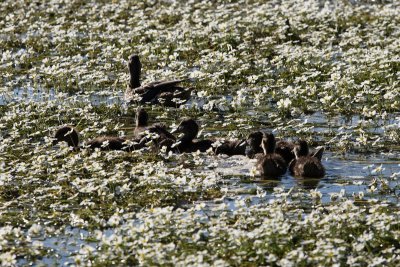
x=309, y=167
x=231, y=148
x=285, y=149
x=108, y=143
x=271, y=165
x=306, y=165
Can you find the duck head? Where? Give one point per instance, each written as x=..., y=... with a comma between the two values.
x=301, y=150
x=135, y=68
x=189, y=128
x=253, y=144
x=141, y=118
x=268, y=143
x=67, y=134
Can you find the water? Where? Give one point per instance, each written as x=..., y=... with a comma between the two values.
x=346, y=174
x=30, y=94
x=352, y=174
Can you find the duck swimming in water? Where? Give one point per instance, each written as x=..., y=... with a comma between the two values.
x=231, y=148
x=70, y=135
x=187, y=143
x=156, y=132
x=167, y=93
x=254, y=144
x=67, y=134
x=305, y=164
x=270, y=164
x=283, y=148
x=141, y=122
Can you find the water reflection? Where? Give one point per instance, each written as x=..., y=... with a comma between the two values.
x=353, y=174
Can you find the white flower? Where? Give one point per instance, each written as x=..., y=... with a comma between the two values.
x=8, y=259
x=284, y=103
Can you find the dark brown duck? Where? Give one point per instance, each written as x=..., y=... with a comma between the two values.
x=160, y=92
x=283, y=148
x=187, y=143
x=156, y=132
x=67, y=134
x=231, y=148
x=305, y=164
x=70, y=135
x=253, y=143
x=141, y=122
x=271, y=164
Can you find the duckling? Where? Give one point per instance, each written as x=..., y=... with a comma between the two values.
x=189, y=128
x=230, y=148
x=283, y=148
x=306, y=165
x=70, y=135
x=157, y=132
x=110, y=143
x=271, y=164
x=67, y=134
x=160, y=92
x=159, y=135
x=254, y=144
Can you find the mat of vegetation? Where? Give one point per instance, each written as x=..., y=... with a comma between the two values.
x=324, y=71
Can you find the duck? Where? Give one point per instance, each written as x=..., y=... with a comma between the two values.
x=305, y=164
x=270, y=164
x=283, y=148
x=253, y=144
x=231, y=148
x=110, y=143
x=156, y=132
x=70, y=135
x=159, y=92
x=186, y=143
x=67, y=134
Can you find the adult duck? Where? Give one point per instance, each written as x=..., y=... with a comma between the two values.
x=187, y=143
x=271, y=164
x=167, y=93
x=306, y=164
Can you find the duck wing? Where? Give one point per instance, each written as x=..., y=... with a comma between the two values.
x=150, y=91
x=169, y=98
x=230, y=148
x=318, y=153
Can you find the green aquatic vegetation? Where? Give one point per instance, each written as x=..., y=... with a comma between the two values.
x=326, y=72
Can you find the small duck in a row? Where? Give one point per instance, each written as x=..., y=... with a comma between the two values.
x=158, y=136
x=188, y=142
x=273, y=162
x=143, y=134
x=273, y=158
x=70, y=135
